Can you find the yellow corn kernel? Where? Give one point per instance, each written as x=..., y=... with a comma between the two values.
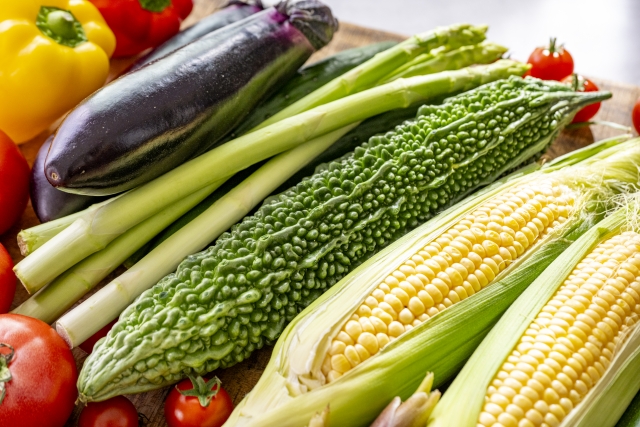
x=571, y=342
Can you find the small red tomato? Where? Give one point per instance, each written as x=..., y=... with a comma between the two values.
x=7, y=280
x=14, y=183
x=40, y=382
x=582, y=84
x=551, y=62
x=197, y=403
x=115, y=412
x=88, y=345
x=635, y=115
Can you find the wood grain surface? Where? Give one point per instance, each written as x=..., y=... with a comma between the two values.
x=239, y=379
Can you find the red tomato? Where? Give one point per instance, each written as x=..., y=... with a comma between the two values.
x=88, y=345
x=583, y=85
x=115, y=412
x=635, y=115
x=208, y=405
x=551, y=62
x=14, y=183
x=7, y=280
x=42, y=388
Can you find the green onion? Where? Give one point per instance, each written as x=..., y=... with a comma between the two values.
x=31, y=239
x=52, y=301
x=449, y=60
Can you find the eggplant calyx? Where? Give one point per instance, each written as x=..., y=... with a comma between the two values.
x=203, y=390
x=312, y=18
x=5, y=373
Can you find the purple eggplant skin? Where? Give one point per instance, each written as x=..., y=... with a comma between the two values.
x=149, y=121
x=48, y=202
x=233, y=12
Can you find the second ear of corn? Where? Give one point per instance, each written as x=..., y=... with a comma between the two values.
x=566, y=353
x=422, y=304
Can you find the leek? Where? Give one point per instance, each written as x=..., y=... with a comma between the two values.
x=51, y=302
x=463, y=56
x=32, y=238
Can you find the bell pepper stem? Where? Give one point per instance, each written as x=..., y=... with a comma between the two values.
x=203, y=390
x=61, y=26
x=61, y=23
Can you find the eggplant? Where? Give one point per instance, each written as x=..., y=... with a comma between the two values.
x=48, y=202
x=233, y=12
x=151, y=120
x=306, y=80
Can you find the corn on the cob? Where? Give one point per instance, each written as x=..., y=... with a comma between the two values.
x=571, y=342
x=459, y=263
x=301, y=377
x=563, y=341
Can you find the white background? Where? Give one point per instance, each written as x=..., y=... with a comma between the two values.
x=602, y=35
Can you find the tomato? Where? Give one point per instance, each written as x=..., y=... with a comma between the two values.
x=635, y=115
x=551, y=62
x=41, y=390
x=583, y=85
x=88, y=345
x=14, y=183
x=7, y=280
x=196, y=403
x=115, y=412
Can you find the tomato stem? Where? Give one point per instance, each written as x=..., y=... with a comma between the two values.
x=552, y=45
x=203, y=390
x=5, y=373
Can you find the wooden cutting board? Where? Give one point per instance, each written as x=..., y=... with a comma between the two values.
x=239, y=379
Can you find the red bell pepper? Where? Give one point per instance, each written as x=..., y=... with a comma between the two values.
x=141, y=24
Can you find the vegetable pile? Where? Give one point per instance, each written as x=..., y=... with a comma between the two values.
x=381, y=217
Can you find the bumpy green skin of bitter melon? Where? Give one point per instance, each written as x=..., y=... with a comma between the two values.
x=236, y=296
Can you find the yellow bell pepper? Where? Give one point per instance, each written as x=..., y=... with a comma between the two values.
x=53, y=54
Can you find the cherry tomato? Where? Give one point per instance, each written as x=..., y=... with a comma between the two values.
x=41, y=390
x=582, y=84
x=7, y=280
x=197, y=403
x=88, y=345
x=635, y=115
x=14, y=183
x=115, y=412
x=550, y=62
